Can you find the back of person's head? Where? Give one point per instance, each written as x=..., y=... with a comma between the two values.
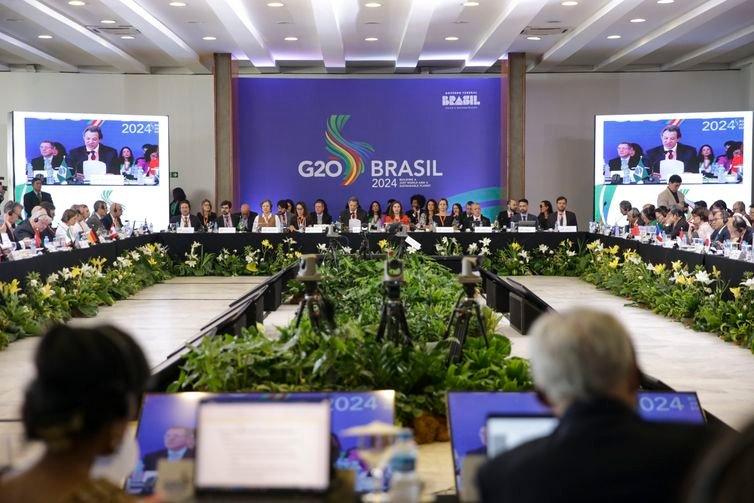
x=719, y=204
x=634, y=213
x=86, y=378
x=700, y=204
x=179, y=194
x=581, y=355
x=725, y=475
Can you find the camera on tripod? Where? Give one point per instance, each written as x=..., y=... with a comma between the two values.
x=321, y=311
x=393, y=320
x=393, y=277
x=465, y=309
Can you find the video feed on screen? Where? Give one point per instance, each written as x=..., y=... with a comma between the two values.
x=636, y=155
x=82, y=158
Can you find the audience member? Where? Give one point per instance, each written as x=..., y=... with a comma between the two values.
x=545, y=210
x=739, y=229
x=718, y=220
x=431, y=211
x=442, y=219
x=457, y=217
x=178, y=196
x=633, y=218
x=477, y=219
x=206, y=216
x=34, y=229
x=286, y=216
x=562, y=217
x=584, y=367
x=671, y=196
x=648, y=216
x=396, y=214
x=676, y=223
x=302, y=214
x=87, y=388
x=10, y=218
x=246, y=218
x=417, y=208
x=36, y=196
x=739, y=208
x=67, y=229
x=375, y=214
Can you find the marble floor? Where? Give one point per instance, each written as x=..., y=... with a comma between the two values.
x=682, y=358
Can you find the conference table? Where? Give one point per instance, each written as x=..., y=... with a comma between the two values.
x=178, y=244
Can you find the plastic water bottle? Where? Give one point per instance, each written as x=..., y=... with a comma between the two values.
x=50, y=175
x=46, y=242
x=405, y=486
x=606, y=171
x=422, y=220
x=626, y=175
x=721, y=173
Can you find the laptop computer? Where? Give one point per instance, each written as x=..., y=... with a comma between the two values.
x=246, y=445
x=506, y=432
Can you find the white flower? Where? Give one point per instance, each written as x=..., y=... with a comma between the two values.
x=33, y=283
x=703, y=277
x=543, y=248
x=473, y=247
x=191, y=263
x=411, y=250
x=484, y=251
x=749, y=283
x=650, y=267
x=444, y=240
x=634, y=259
x=438, y=247
x=289, y=241
x=347, y=250
x=53, y=278
x=571, y=253
x=524, y=255
x=322, y=247
x=486, y=241
x=135, y=255
x=66, y=273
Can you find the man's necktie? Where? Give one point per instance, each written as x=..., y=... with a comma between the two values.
x=562, y=220
x=185, y=222
x=92, y=155
x=670, y=154
x=227, y=221
x=353, y=215
x=37, y=239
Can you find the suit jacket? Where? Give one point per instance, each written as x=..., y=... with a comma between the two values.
x=681, y=225
x=483, y=222
x=31, y=200
x=601, y=451
x=528, y=217
x=665, y=198
x=553, y=219
x=684, y=153
x=193, y=220
x=107, y=222
x=38, y=163
x=290, y=219
x=94, y=222
x=312, y=219
x=25, y=230
x=503, y=219
x=234, y=218
x=615, y=164
x=345, y=216
x=150, y=459
x=241, y=225
x=106, y=154
x=722, y=234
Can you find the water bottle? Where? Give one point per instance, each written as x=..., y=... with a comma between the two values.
x=626, y=175
x=46, y=242
x=405, y=486
x=721, y=173
x=422, y=220
x=606, y=171
x=50, y=175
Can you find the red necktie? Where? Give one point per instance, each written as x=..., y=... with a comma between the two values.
x=353, y=215
x=37, y=239
x=670, y=155
x=93, y=155
x=227, y=221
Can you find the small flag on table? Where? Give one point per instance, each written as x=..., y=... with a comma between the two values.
x=92, y=237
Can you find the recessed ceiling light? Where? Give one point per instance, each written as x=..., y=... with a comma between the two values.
x=177, y=4
x=127, y=37
x=451, y=39
x=665, y=1
x=533, y=38
x=372, y=22
x=44, y=36
x=569, y=4
x=291, y=39
x=638, y=20
x=275, y=4
x=470, y=4
x=76, y=3
x=371, y=39
x=372, y=5
x=613, y=37
x=107, y=21
x=209, y=38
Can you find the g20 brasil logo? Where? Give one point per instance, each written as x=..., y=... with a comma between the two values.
x=347, y=157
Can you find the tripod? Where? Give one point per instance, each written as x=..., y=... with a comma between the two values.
x=393, y=320
x=458, y=324
x=319, y=309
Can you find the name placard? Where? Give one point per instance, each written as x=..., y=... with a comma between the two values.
x=444, y=230
x=483, y=229
x=567, y=228
x=226, y=230
x=270, y=230
x=526, y=229
x=185, y=230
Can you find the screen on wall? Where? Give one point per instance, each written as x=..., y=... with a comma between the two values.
x=375, y=139
x=635, y=155
x=83, y=158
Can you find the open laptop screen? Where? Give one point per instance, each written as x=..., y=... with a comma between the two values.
x=508, y=432
x=262, y=445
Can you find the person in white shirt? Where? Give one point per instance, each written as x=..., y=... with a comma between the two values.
x=699, y=226
x=67, y=229
x=267, y=218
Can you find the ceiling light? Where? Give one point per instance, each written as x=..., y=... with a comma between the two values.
x=44, y=36
x=275, y=4
x=107, y=21
x=76, y=3
x=209, y=38
x=372, y=5
x=533, y=38
x=638, y=20
x=177, y=4
x=613, y=37
x=291, y=39
x=568, y=4
x=451, y=39
x=371, y=39
x=127, y=37
x=665, y=1
x=470, y=4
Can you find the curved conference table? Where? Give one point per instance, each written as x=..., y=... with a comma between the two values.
x=179, y=244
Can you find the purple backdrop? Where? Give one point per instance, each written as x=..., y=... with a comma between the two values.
x=333, y=138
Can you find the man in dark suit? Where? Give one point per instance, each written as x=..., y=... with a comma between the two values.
x=523, y=212
x=179, y=443
x=93, y=150
x=671, y=149
x=35, y=228
x=186, y=219
x=505, y=216
x=562, y=217
x=286, y=217
x=601, y=450
x=47, y=157
x=477, y=219
x=112, y=219
x=246, y=218
x=718, y=219
x=226, y=218
x=624, y=158
x=319, y=216
x=100, y=212
x=36, y=196
x=354, y=211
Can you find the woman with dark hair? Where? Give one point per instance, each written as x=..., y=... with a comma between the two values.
x=431, y=211
x=126, y=161
x=456, y=216
x=545, y=210
x=388, y=206
x=375, y=214
x=648, y=216
x=706, y=158
x=175, y=205
x=87, y=388
x=299, y=221
x=442, y=219
x=206, y=215
x=699, y=226
x=396, y=214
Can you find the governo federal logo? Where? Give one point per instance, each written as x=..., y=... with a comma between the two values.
x=348, y=158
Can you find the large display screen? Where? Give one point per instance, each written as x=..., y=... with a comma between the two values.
x=168, y=422
x=87, y=157
x=635, y=155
